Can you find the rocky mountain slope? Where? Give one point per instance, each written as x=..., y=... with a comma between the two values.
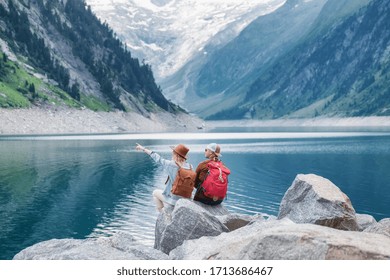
x=58, y=53
x=177, y=36
x=268, y=41
x=227, y=75
x=341, y=72
x=168, y=33
x=296, y=58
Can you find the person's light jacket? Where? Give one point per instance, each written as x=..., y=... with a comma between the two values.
x=171, y=168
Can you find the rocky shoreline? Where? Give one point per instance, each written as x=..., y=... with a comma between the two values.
x=316, y=221
x=63, y=120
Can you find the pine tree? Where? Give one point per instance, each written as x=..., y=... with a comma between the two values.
x=31, y=88
x=75, y=91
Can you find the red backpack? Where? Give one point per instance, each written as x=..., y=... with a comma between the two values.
x=215, y=184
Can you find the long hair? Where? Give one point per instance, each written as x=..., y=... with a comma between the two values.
x=178, y=159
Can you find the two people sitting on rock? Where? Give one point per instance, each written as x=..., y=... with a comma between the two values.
x=210, y=178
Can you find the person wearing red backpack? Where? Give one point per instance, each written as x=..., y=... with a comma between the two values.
x=211, y=177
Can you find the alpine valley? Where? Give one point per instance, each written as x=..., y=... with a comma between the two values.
x=262, y=59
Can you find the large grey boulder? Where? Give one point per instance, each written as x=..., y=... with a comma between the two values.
x=315, y=208
x=285, y=240
x=187, y=220
x=364, y=221
x=316, y=200
x=120, y=246
x=381, y=227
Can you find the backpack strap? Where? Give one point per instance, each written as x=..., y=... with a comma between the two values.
x=166, y=182
x=220, y=175
x=183, y=167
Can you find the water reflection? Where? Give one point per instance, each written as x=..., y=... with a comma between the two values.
x=61, y=187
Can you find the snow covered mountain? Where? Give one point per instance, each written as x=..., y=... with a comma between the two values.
x=168, y=33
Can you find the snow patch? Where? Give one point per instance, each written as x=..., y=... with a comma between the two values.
x=178, y=29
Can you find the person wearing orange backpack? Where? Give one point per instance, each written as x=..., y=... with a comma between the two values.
x=211, y=177
x=178, y=162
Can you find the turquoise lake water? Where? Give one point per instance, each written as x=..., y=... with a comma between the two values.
x=89, y=186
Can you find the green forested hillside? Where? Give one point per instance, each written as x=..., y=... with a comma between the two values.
x=59, y=52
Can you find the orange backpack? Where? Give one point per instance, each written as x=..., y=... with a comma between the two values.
x=184, y=182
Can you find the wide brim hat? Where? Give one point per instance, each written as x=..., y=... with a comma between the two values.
x=181, y=150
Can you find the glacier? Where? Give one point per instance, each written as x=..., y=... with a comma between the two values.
x=168, y=33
